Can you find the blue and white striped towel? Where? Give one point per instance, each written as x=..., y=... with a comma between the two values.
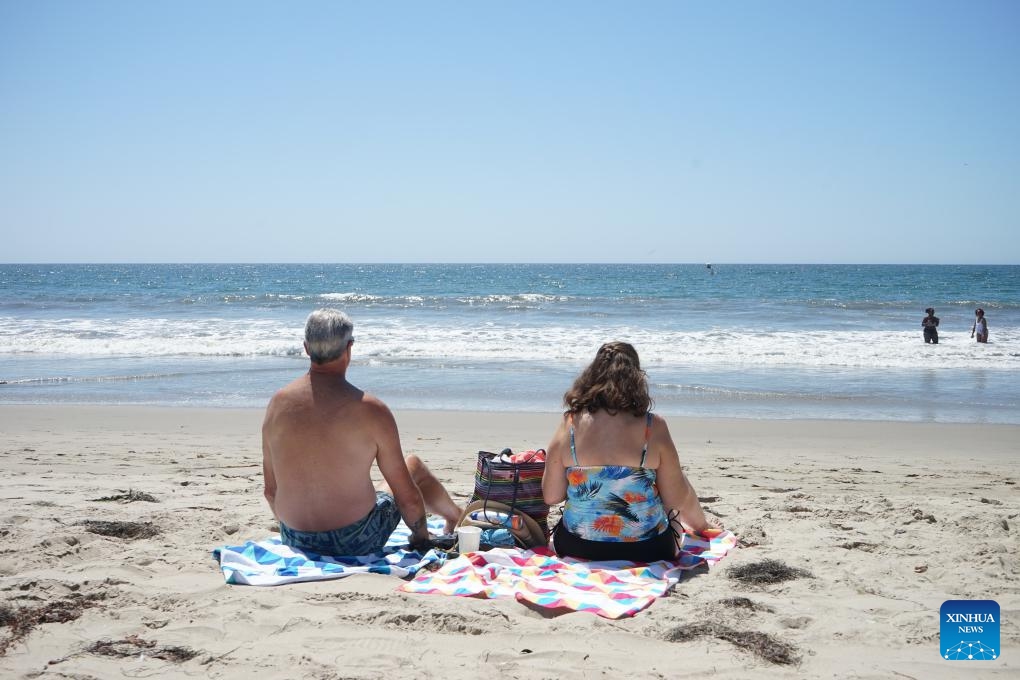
x=270, y=563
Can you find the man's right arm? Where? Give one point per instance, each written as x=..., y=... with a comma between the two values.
x=268, y=477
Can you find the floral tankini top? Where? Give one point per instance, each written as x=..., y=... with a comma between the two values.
x=613, y=502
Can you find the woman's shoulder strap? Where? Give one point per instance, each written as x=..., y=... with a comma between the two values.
x=648, y=434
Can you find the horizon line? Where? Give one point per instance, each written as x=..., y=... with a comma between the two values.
x=505, y=263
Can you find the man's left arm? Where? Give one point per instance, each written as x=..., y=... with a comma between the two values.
x=390, y=459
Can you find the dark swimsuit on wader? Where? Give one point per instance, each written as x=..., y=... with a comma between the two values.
x=614, y=512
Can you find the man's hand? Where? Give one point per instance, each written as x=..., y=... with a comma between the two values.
x=422, y=545
x=420, y=539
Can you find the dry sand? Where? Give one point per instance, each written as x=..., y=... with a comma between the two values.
x=890, y=519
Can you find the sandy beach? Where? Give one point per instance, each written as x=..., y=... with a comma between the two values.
x=887, y=520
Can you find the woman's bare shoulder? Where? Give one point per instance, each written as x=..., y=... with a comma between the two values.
x=659, y=425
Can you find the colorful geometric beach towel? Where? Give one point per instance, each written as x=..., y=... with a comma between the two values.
x=270, y=563
x=610, y=589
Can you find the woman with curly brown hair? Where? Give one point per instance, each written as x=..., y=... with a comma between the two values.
x=617, y=468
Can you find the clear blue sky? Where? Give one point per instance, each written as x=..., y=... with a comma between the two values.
x=867, y=131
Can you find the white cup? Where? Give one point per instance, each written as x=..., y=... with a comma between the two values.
x=468, y=538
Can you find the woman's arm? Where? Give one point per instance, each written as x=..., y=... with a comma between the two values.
x=554, y=479
x=676, y=490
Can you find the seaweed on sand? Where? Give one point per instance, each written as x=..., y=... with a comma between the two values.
x=129, y=530
x=23, y=620
x=765, y=647
x=130, y=497
x=766, y=572
x=745, y=603
x=133, y=645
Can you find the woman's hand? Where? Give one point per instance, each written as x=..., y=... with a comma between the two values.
x=710, y=523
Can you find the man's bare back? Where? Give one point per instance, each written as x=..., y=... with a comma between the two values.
x=320, y=437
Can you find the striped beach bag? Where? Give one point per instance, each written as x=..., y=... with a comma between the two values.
x=517, y=484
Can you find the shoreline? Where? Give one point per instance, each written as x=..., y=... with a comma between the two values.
x=890, y=519
x=978, y=440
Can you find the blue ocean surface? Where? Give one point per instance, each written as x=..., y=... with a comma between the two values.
x=758, y=341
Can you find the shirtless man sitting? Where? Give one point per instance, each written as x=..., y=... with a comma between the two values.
x=320, y=437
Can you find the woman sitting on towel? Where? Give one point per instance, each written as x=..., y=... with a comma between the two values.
x=616, y=466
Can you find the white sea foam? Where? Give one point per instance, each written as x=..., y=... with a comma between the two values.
x=507, y=301
x=397, y=340
x=148, y=337
x=351, y=298
x=754, y=340
x=510, y=300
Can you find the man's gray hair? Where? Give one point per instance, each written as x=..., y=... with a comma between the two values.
x=327, y=334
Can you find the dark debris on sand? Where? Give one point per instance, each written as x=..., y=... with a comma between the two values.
x=859, y=545
x=920, y=514
x=766, y=572
x=745, y=603
x=129, y=530
x=763, y=646
x=133, y=645
x=130, y=497
x=17, y=623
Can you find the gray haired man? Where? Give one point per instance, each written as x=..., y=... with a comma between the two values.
x=320, y=438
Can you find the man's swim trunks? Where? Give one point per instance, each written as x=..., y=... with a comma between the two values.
x=366, y=536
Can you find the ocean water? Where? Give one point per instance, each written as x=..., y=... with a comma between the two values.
x=758, y=341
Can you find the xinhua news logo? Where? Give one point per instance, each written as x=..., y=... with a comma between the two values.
x=969, y=630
